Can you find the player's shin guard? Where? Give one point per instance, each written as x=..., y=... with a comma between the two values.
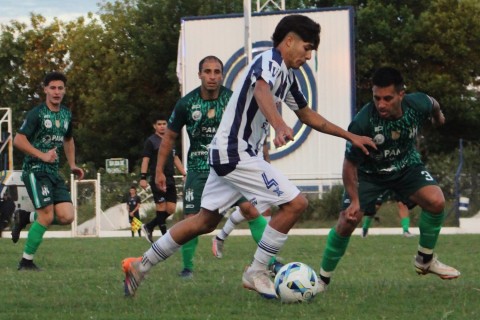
x=34, y=238
x=188, y=252
x=430, y=226
x=257, y=227
x=334, y=251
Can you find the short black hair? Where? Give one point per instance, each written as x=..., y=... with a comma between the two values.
x=303, y=26
x=387, y=76
x=200, y=64
x=159, y=115
x=54, y=76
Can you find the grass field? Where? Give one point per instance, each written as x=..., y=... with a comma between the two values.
x=82, y=279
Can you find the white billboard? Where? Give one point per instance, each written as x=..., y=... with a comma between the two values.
x=327, y=81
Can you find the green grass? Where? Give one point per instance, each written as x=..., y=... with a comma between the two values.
x=82, y=279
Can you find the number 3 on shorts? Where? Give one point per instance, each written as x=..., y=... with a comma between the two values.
x=427, y=175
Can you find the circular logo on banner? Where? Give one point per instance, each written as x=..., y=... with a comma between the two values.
x=234, y=68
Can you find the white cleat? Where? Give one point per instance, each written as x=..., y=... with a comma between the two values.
x=435, y=267
x=217, y=247
x=260, y=281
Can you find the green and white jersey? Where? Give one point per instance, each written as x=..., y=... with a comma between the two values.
x=45, y=129
x=395, y=139
x=201, y=118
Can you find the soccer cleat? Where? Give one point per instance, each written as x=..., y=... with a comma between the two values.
x=407, y=234
x=322, y=286
x=147, y=233
x=133, y=276
x=364, y=233
x=274, y=266
x=186, y=274
x=217, y=247
x=21, y=219
x=260, y=281
x=436, y=267
x=27, y=265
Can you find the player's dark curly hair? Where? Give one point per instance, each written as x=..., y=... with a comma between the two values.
x=54, y=76
x=307, y=29
x=387, y=76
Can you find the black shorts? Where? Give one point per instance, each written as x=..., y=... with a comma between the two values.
x=169, y=196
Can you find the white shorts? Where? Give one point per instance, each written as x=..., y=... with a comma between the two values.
x=255, y=179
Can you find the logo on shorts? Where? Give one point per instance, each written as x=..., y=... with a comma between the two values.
x=272, y=184
x=45, y=191
x=189, y=195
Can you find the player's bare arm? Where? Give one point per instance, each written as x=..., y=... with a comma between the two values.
x=350, y=182
x=264, y=98
x=438, y=118
x=144, y=170
x=163, y=151
x=21, y=143
x=319, y=123
x=69, y=149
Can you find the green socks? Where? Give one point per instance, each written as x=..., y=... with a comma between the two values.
x=257, y=226
x=334, y=251
x=188, y=251
x=405, y=222
x=367, y=221
x=430, y=225
x=35, y=237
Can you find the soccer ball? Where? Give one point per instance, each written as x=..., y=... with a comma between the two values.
x=296, y=282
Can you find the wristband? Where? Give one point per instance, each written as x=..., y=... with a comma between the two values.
x=143, y=176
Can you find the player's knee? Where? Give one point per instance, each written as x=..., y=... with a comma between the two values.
x=299, y=204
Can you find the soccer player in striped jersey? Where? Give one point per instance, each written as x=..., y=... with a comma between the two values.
x=393, y=120
x=237, y=166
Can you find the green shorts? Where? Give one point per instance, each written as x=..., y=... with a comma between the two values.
x=45, y=189
x=403, y=184
x=192, y=192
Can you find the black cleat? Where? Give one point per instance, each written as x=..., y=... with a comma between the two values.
x=21, y=219
x=27, y=265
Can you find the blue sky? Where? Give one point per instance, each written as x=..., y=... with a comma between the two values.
x=64, y=10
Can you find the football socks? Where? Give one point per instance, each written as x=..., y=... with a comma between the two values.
x=188, y=252
x=34, y=238
x=430, y=225
x=334, y=250
x=257, y=227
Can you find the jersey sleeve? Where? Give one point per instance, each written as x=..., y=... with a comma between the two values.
x=178, y=118
x=295, y=99
x=30, y=124
x=148, y=149
x=357, y=126
x=422, y=102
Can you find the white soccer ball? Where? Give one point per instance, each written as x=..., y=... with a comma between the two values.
x=296, y=282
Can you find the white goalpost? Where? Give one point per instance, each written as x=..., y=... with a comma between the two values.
x=93, y=229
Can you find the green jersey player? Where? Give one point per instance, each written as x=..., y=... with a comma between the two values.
x=200, y=112
x=46, y=131
x=393, y=120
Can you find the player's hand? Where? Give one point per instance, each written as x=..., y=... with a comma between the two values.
x=362, y=142
x=352, y=213
x=143, y=184
x=283, y=135
x=78, y=172
x=161, y=181
x=50, y=156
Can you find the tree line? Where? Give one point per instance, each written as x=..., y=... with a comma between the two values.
x=121, y=63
